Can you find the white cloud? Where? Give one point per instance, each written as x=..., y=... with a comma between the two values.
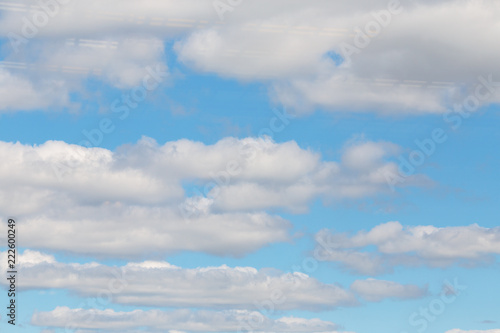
x=76, y=190
x=184, y=320
x=122, y=62
x=420, y=245
x=353, y=94
x=91, y=18
x=18, y=92
x=160, y=284
x=292, y=46
x=31, y=258
x=117, y=230
x=398, y=72
x=59, y=68
x=377, y=290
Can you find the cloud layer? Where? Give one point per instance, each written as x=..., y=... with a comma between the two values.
x=148, y=198
x=410, y=246
x=184, y=320
x=160, y=284
x=382, y=56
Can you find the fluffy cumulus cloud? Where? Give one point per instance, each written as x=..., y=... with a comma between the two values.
x=377, y=290
x=59, y=68
x=117, y=230
x=183, y=195
x=161, y=284
x=339, y=57
x=18, y=92
x=55, y=66
x=93, y=19
x=386, y=56
x=175, y=321
x=121, y=63
x=49, y=86
x=411, y=246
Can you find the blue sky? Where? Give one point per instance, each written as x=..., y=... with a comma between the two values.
x=257, y=179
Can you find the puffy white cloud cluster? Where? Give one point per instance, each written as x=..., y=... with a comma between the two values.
x=161, y=284
x=121, y=63
x=18, y=92
x=61, y=66
x=133, y=201
x=405, y=56
x=411, y=246
x=397, y=68
x=176, y=321
x=250, y=294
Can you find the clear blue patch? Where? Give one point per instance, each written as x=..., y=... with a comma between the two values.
x=337, y=58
